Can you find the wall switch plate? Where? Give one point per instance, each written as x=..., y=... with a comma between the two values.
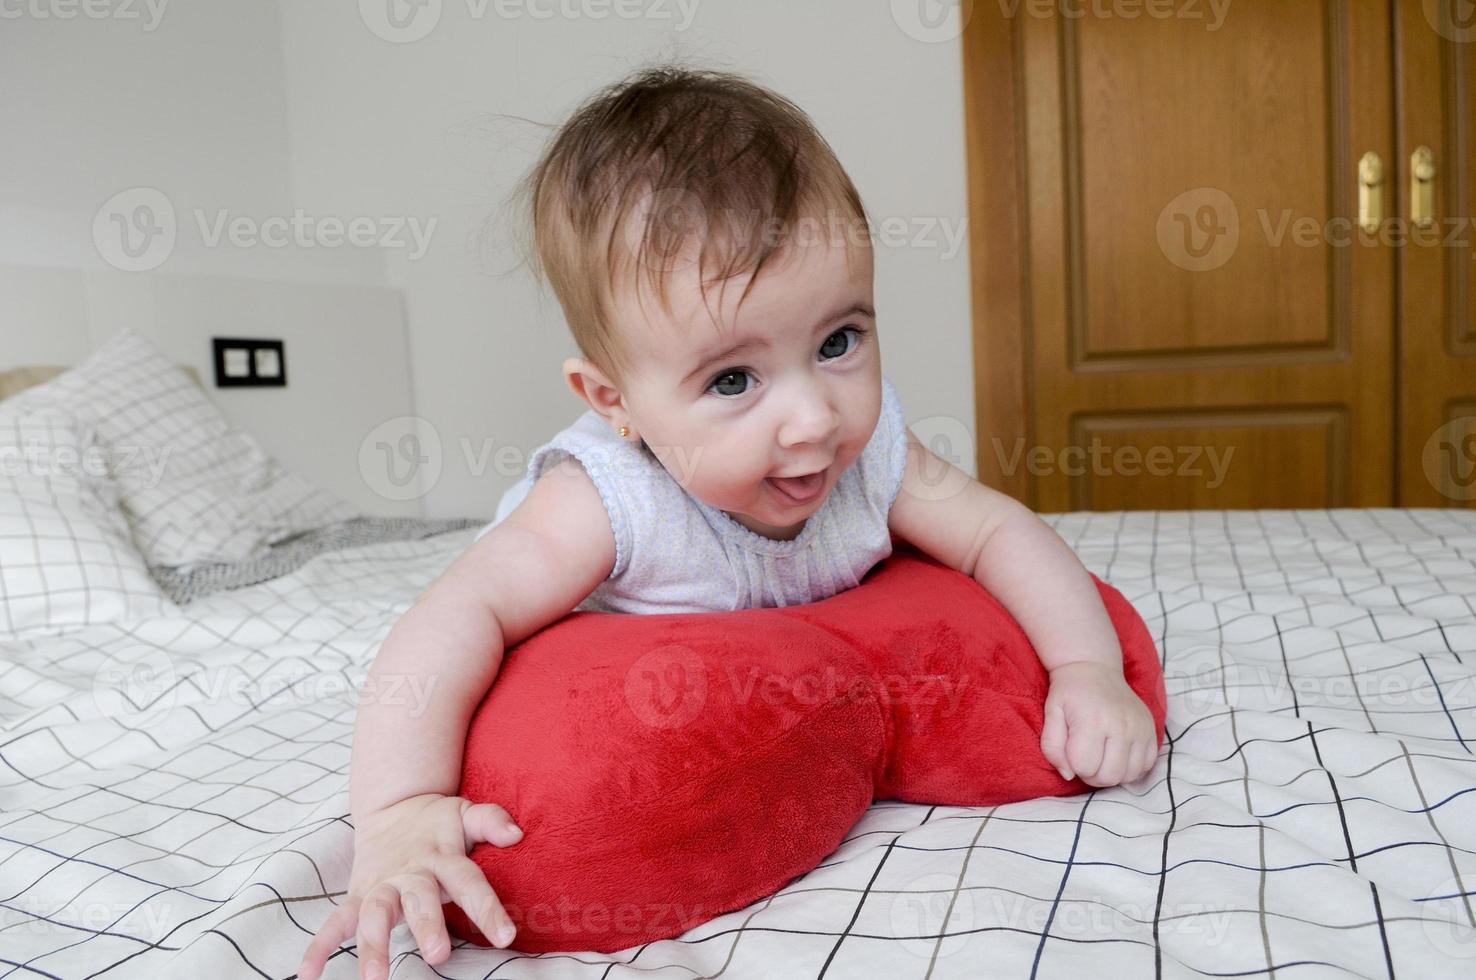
x=236, y=363
x=268, y=362
x=249, y=363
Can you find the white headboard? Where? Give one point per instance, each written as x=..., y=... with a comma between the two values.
x=345, y=348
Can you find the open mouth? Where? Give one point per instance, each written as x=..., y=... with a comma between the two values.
x=798, y=489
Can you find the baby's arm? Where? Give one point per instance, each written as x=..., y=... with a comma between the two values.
x=432, y=671
x=1010, y=551
x=1025, y=564
x=528, y=571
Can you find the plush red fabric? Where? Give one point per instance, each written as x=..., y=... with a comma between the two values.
x=666, y=769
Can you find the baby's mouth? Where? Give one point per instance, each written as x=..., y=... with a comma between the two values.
x=798, y=489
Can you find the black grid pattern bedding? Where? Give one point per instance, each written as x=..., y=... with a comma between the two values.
x=174, y=789
x=67, y=557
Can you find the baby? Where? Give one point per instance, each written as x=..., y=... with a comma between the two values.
x=741, y=449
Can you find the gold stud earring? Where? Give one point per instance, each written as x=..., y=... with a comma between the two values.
x=624, y=431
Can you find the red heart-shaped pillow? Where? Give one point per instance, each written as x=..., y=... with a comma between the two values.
x=666, y=769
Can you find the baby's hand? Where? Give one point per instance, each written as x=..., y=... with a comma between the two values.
x=1096, y=726
x=410, y=857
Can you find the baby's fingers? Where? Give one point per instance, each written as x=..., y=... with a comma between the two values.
x=1149, y=758
x=491, y=823
x=339, y=926
x=1114, y=760
x=468, y=888
x=421, y=901
x=377, y=916
x=1084, y=752
x=1053, y=738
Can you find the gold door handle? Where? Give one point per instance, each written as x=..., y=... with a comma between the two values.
x=1422, y=187
x=1370, y=192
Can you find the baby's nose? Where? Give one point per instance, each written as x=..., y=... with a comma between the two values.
x=811, y=420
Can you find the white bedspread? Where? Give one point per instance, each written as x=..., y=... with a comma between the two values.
x=173, y=792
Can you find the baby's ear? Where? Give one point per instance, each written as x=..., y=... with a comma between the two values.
x=593, y=386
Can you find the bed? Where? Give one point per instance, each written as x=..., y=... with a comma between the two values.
x=173, y=781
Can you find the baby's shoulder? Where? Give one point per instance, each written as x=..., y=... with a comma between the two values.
x=565, y=508
x=624, y=481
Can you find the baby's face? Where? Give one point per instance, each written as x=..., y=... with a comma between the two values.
x=803, y=396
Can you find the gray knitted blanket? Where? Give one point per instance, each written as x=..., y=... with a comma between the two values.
x=184, y=583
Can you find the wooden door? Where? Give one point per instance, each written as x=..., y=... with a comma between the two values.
x=1194, y=319
x=1436, y=72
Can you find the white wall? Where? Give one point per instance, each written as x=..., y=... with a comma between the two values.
x=330, y=420
x=262, y=109
x=192, y=108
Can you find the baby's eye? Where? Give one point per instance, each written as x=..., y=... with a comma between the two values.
x=720, y=379
x=844, y=350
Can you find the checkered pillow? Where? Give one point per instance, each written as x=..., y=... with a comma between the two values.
x=193, y=487
x=66, y=555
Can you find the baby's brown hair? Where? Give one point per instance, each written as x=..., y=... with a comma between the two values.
x=664, y=157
